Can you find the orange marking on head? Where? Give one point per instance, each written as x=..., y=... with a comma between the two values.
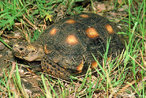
x=70, y=21
x=91, y=32
x=80, y=67
x=53, y=31
x=84, y=16
x=94, y=64
x=72, y=40
x=109, y=29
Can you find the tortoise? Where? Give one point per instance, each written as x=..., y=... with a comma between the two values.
x=72, y=44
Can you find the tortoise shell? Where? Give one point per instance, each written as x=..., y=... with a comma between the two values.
x=69, y=45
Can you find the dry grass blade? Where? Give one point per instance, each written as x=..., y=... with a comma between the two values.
x=137, y=63
x=11, y=72
x=31, y=23
x=125, y=87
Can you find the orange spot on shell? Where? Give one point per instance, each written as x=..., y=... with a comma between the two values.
x=91, y=32
x=94, y=64
x=46, y=50
x=109, y=29
x=84, y=16
x=70, y=21
x=72, y=40
x=80, y=67
x=53, y=31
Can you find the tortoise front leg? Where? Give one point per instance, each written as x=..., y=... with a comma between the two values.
x=54, y=69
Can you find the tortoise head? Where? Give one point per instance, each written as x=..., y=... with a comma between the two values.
x=28, y=52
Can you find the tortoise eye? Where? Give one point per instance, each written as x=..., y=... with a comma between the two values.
x=21, y=49
x=33, y=51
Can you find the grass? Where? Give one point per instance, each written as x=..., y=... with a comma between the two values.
x=123, y=76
